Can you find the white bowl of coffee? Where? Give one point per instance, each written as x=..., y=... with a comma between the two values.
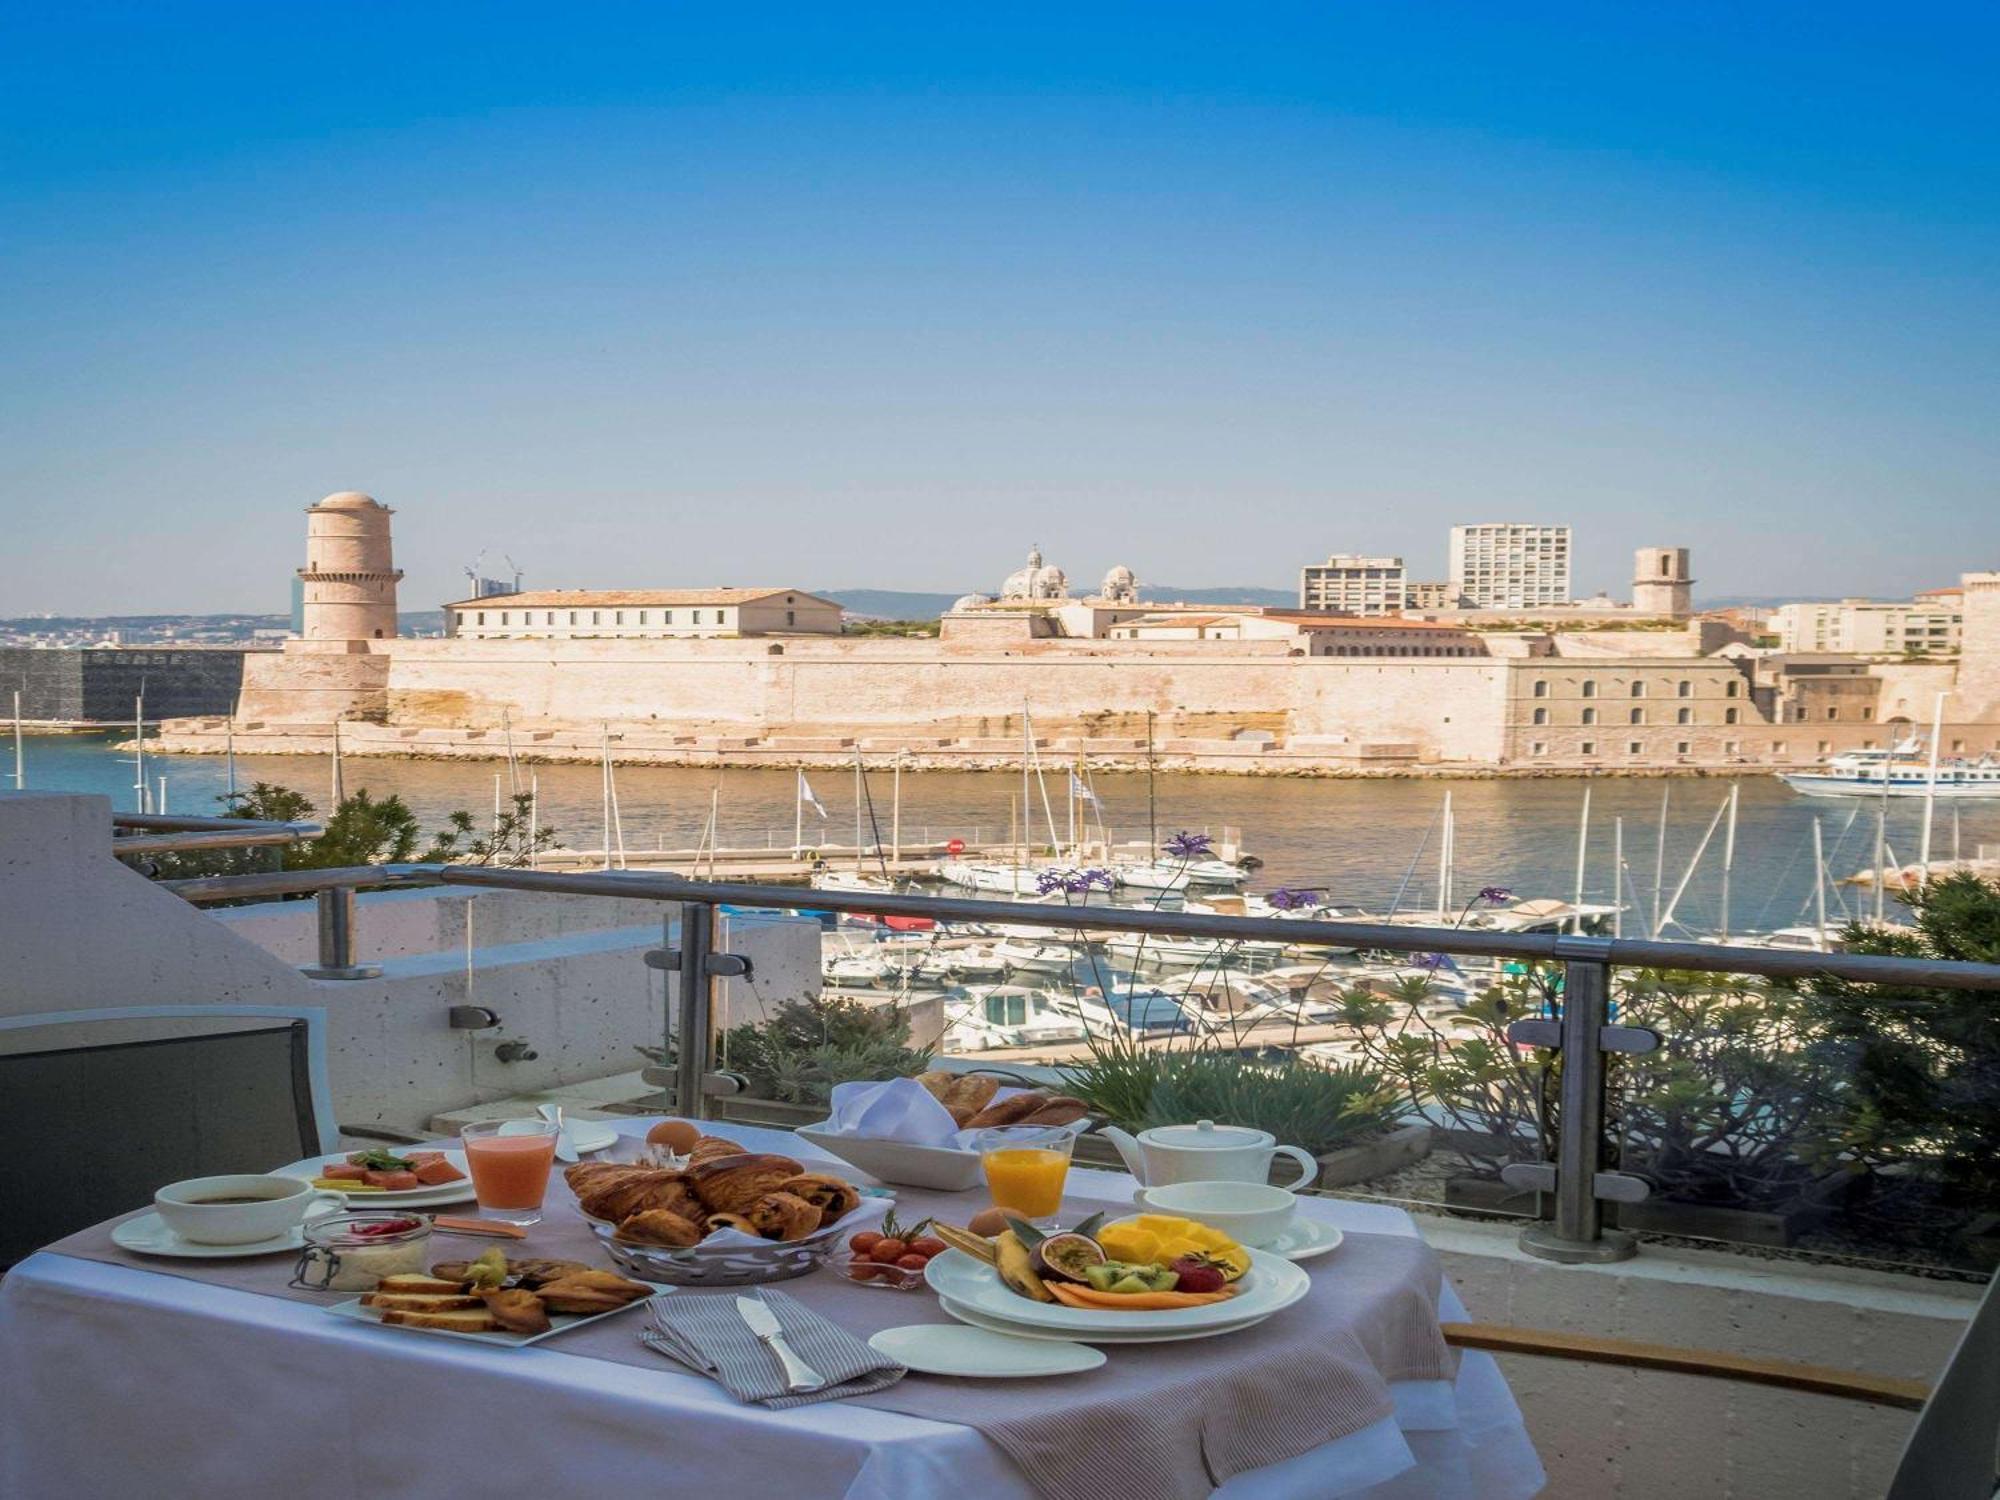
x=241, y=1209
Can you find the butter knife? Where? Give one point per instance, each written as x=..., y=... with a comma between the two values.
x=553, y=1113
x=799, y=1376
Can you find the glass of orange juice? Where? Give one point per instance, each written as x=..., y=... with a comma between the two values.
x=1026, y=1166
x=509, y=1161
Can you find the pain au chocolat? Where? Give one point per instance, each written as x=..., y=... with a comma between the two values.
x=730, y=1184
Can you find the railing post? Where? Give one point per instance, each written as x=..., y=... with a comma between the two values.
x=1578, y=1234
x=336, y=938
x=696, y=1010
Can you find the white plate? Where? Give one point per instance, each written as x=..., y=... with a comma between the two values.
x=1015, y=1330
x=1271, y=1284
x=425, y=1197
x=586, y=1136
x=149, y=1235
x=1305, y=1239
x=953, y=1349
x=559, y=1323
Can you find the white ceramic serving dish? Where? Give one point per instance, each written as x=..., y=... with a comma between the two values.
x=1271, y=1285
x=937, y=1167
x=1250, y=1213
x=1022, y=1331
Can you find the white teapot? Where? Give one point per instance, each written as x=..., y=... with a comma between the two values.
x=1205, y=1152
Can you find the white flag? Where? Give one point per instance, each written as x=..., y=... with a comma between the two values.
x=1078, y=789
x=806, y=795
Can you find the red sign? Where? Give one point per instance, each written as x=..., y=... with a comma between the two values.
x=956, y=846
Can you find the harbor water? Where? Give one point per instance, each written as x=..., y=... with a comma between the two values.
x=1358, y=841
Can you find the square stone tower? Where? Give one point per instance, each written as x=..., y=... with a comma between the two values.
x=1978, y=686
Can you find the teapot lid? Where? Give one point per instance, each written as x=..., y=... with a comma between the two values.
x=1205, y=1135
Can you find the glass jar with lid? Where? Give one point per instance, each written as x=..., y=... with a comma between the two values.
x=353, y=1252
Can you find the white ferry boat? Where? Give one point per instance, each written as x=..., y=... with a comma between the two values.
x=1901, y=772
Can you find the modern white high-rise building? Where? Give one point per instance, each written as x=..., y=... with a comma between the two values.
x=1353, y=585
x=1510, y=565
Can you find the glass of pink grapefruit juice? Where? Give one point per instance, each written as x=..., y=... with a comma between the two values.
x=510, y=1161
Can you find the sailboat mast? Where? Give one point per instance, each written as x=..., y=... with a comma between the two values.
x=604, y=775
x=1444, y=860
x=798, y=812
x=229, y=750
x=1660, y=855
x=337, y=784
x=1728, y=857
x=1688, y=874
x=20, y=764
x=139, y=748
x=1882, y=841
x=1930, y=788
x=1152, y=806
x=1819, y=883
x=1582, y=844
x=857, y=809
x=1618, y=877
x=896, y=811
x=1027, y=742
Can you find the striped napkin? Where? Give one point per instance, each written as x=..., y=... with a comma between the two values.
x=706, y=1332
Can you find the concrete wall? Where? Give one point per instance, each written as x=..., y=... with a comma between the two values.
x=1605, y=1432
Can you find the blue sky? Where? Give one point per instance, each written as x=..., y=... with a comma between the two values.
x=876, y=296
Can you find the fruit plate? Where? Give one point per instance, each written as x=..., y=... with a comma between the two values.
x=1271, y=1284
x=1157, y=1336
x=560, y=1323
x=423, y=1197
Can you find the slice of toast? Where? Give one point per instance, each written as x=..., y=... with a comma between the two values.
x=391, y=1302
x=472, y=1320
x=414, y=1285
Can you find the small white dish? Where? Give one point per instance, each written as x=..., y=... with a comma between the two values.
x=149, y=1235
x=981, y=1354
x=1272, y=1284
x=586, y=1136
x=1305, y=1239
x=1250, y=1213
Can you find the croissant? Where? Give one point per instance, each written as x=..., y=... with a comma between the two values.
x=714, y=1145
x=834, y=1198
x=658, y=1226
x=584, y=1173
x=728, y=1221
x=730, y=1184
x=782, y=1216
x=618, y=1198
x=590, y=1292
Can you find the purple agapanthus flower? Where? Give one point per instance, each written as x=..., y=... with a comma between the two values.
x=1072, y=882
x=1186, y=845
x=1431, y=961
x=1284, y=898
x=1495, y=895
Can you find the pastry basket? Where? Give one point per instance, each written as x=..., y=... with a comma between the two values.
x=731, y=1259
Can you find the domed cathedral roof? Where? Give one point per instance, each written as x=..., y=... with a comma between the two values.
x=1120, y=586
x=1036, y=581
x=349, y=500
x=965, y=602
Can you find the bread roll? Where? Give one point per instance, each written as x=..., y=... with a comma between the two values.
x=730, y=1184
x=1009, y=1111
x=1063, y=1109
x=964, y=1095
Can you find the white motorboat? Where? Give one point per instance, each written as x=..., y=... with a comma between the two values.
x=976, y=963
x=851, y=880
x=1783, y=940
x=1028, y=1017
x=1025, y=955
x=1151, y=875
x=1009, y=880
x=855, y=969
x=1901, y=772
x=1145, y=949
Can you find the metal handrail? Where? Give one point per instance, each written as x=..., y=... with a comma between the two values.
x=1583, y=1033
x=173, y=834
x=269, y=884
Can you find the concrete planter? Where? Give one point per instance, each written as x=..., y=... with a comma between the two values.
x=1367, y=1160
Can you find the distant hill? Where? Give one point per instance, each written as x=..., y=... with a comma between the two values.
x=899, y=604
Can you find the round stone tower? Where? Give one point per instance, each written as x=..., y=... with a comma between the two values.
x=349, y=580
x=1661, y=583
x=1978, y=682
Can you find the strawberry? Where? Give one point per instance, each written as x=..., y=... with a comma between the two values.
x=1198, y=1274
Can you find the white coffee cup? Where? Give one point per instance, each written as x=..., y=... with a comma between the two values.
x=196, y=1209
x=1250, y=1213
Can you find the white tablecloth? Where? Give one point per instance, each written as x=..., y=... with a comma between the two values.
x=115, y=1381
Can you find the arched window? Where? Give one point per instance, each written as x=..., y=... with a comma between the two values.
x=1638, y=690
x=1589, y=689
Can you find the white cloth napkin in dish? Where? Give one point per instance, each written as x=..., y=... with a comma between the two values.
x=901, y=1109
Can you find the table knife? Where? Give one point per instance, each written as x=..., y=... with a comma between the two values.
x=799, y=1376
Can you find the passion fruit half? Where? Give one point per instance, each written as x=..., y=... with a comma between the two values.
x=1068, y=1257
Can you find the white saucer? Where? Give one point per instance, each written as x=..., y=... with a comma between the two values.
x=1305, y=1239
x=148, y=1235
x=952, y=1349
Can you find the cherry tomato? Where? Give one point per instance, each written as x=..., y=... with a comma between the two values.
x=863, y=1270
x=864, y=1242
x=928, y=1247
x=913, y=1262
x=887, y=1250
